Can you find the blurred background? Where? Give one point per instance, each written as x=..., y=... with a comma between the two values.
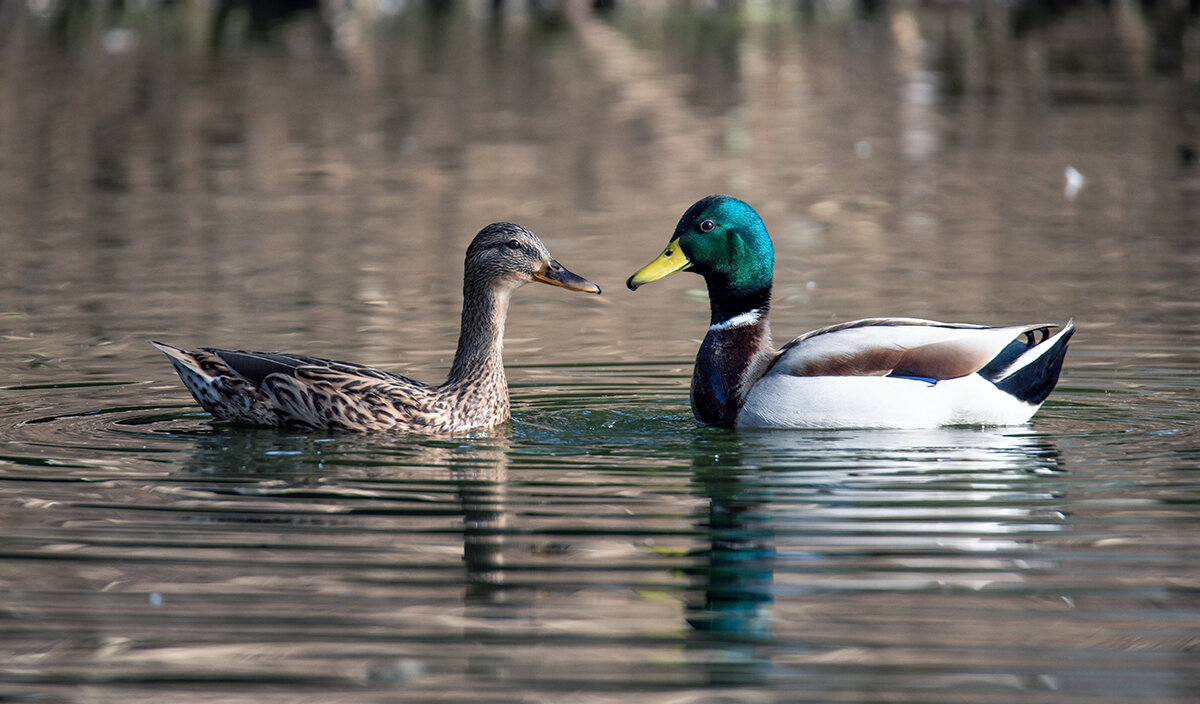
x=272, y=173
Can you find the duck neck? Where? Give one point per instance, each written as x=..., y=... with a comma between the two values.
x=727, y=301
x=478, y=361
x=734, y=354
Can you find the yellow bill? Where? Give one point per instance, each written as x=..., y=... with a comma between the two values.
x=670, y=261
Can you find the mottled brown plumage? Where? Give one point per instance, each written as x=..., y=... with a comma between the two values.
x=291, y=390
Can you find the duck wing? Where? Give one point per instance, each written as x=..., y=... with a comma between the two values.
x=273, y=388
x=257, y=366
x=906, y=347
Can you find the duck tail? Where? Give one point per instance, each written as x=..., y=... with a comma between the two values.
x=199, y=377
x=183, y=360
x=1029, y=368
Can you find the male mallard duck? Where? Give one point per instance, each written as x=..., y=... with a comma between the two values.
x=873, y=373
x=295, y=390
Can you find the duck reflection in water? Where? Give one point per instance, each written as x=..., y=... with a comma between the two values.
x=320, y=468
x=477, y=469
x=732, y=590
x=741, y=557
x=482, y=478
x=801, y=527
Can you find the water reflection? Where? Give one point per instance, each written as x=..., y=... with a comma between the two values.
x=911, y=156
x=733, y=576
x=335, y=467
x=482, y=490
x=799, y=526
x=399, y=492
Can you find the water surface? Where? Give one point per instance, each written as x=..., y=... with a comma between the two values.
x=311, y=187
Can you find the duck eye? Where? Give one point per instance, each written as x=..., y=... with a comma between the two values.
x=514, y=244
x=707, y=225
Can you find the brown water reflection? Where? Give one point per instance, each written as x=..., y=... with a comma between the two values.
x=312, y=187
x=308, y=193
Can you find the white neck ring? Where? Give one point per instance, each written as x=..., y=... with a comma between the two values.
x=750, y=317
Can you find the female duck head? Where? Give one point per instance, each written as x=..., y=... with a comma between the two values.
x=510, y=256
x=724, y=240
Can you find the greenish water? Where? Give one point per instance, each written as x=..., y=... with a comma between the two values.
x=315, y=194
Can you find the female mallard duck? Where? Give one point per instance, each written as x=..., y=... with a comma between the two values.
x=873, y=373
x=298, y=391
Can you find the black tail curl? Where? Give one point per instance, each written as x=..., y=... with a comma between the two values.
x=1033, y=382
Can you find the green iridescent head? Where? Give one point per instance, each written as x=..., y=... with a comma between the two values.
x=724, y=240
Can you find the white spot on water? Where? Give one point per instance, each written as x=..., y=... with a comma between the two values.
x=1075, y=182
x=120, y=41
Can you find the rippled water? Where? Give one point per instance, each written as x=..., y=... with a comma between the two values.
x=312, y=189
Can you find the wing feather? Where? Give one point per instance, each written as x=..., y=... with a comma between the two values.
x=274, y=388
x=898, y=347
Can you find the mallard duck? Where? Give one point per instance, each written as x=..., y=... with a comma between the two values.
x=873, y=373
x=293, y=390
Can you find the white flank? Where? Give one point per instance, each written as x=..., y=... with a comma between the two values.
x=783, y=401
